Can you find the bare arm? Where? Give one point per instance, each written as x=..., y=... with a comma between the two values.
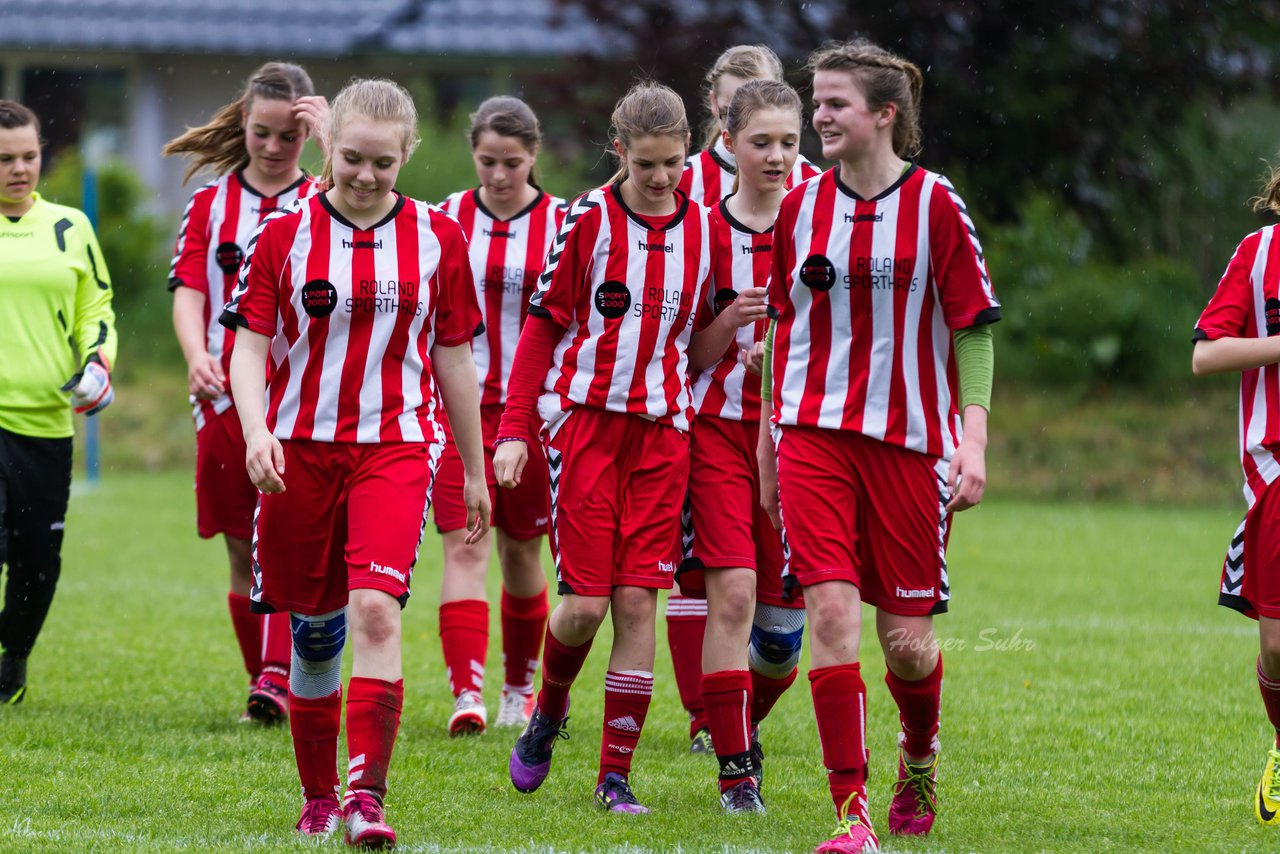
x=205, y=379
x=264, y=459
x=455, y=372
x=707, y=347
x=1223, y=355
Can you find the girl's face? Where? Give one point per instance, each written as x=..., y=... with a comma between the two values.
x=367, y=156
x=766, y=149
x=273, y=137
x=722, y=95
x=849, y=130
x=19, y=166
x=503, y=165
x=654, y=165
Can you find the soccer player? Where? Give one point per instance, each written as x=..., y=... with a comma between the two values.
x=363, y=300
x=57, y=345
x=733, y=556
x=606, y=346
x=1237, y=332
x=253, y=144
x=708, y=177
x=880, y=365
x=510, y=224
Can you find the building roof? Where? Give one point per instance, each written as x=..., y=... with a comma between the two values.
x=330, y=28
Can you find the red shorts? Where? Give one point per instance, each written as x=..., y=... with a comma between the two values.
x=351, y=517
x=725, y=525
x=225, y=497
x=521, y=512
x=1251, y=571
x=859, y=510
x=617, y=482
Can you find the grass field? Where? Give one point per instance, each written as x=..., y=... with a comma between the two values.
x=1096, y=700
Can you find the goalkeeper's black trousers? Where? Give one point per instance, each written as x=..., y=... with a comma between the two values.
x=35, y=483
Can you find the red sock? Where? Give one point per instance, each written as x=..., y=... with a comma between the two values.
x=277, y=646
x=919, y=708
x=464, y=635
x=248, y=628
x=524, y=621
x=727, y=694
x=840, y=707
x=686, y=625
x=626, y=703
x=765, y=692
x=1271, y=698
x=314, y=724
x=560, y=666
x=373, y=719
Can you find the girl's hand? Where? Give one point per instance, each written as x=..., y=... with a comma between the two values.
x=205, y=380
x=768, y=463
x=753, y=359
x=314, y=111
x=264, y=460
x=967, y=477
x=475, y=493
x=749, y=307
x=509, y=459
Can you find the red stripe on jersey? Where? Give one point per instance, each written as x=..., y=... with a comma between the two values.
x=317, y=329
x=617, y=269
x=905, y=246
x=861, y=309
x=392, y=362
x=359, y=335
x=820, y=319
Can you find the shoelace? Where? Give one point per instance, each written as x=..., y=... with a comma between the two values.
x=316, y=813
x=921, y=780
x=848, y=818
x=1273, y=790
x=369, y=808
x=619, y=791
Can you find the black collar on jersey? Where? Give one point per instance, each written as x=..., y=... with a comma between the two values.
x=14, y=219
x=893, y=188
x=256, y=192
x=475, y=194
x=395, y=210
x=721, y=162
x=733, y=221
x=682, y=207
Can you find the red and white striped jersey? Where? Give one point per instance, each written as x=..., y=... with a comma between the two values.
x=630, y=296
x=867, y=293
x=216, y=226
x=740, y=258
x=1247, y=305
x=708, y=175
x=506, y=260
x=353, y=314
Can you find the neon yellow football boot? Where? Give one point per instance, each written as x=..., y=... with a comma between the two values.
x=1267, y=805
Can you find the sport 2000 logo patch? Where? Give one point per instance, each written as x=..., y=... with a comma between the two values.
x=228, y=257
x=818, y=273
x=725, y=297
x=319, y=298
x=612, y=299
x=1271, y=312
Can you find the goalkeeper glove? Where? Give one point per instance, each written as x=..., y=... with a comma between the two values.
x=90, y=389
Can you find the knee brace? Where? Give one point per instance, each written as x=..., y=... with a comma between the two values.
x=316, y=667
x=776, y=636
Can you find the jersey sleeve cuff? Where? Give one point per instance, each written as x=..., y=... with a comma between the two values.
x=546, y=314
x=460, y=338
x=234, y=320
x=179, y=282
x=988, y=315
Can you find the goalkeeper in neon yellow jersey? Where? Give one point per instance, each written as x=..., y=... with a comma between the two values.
x=57, y=344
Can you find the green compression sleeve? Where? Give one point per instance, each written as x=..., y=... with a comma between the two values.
x=766, y=372
x=975, y=363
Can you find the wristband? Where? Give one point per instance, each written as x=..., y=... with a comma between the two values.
x=498, y=441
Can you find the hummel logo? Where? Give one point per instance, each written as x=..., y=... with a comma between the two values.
x=626, y=723
x=386, y=570
x=664, y=566
x=914, y=594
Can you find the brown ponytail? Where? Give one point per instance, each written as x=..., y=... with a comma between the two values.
x=219, y=144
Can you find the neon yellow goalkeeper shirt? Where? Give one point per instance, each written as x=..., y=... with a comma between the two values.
x=55, y=312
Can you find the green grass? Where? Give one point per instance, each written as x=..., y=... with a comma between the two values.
x=1096, y=700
